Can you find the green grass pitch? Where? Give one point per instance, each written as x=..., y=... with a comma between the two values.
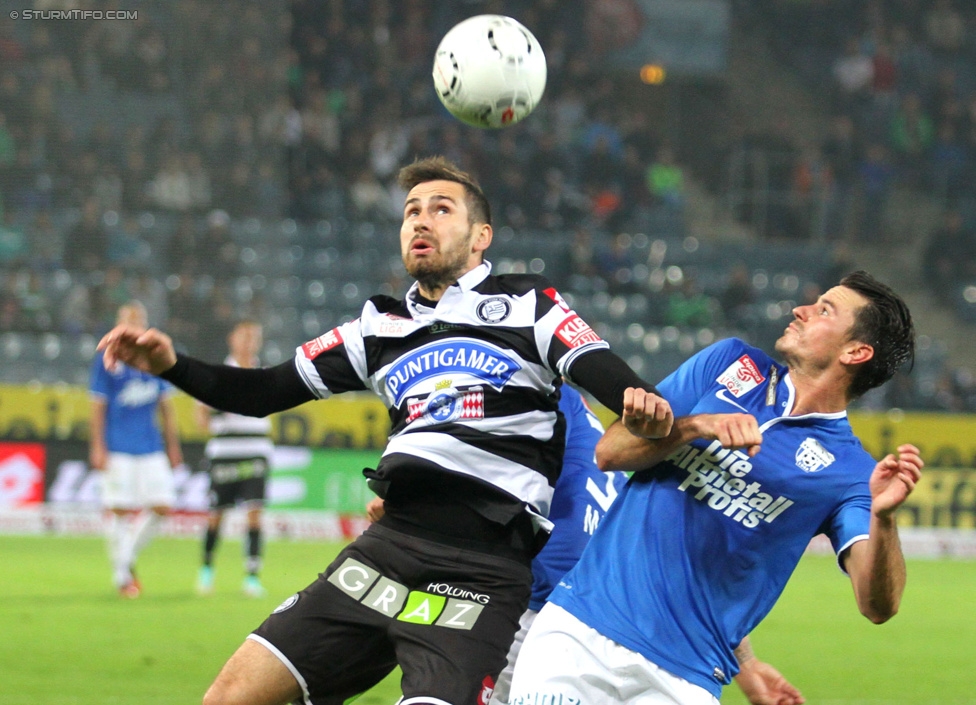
x=67, y=639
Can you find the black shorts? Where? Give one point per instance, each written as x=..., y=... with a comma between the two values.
x=445, y=615
x=240, y=481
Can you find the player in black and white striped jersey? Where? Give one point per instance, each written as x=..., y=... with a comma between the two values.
x=239, y=460
x=438, y=585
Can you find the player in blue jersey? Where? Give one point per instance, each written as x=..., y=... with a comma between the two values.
x=136, y=459
x=701, y=542
x=582, y=496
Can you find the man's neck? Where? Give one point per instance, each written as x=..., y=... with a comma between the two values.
x=818, y=394
x=432, y=294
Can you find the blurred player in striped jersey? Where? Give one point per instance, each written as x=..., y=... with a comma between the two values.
x=239, y=458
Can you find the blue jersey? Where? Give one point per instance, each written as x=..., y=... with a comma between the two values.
x=580, y=500
x=132, y=400
x=695, y=551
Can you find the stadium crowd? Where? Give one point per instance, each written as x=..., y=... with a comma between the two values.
x=147, y=160
x=900, y=79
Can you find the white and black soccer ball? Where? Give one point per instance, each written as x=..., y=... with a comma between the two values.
x=489, y=71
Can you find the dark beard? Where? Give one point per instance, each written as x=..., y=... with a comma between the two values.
x=436, y=279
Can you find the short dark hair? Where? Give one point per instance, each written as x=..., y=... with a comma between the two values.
x=440, y=169
x=884, y=323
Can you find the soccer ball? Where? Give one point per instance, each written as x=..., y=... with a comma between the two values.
x=489, y=71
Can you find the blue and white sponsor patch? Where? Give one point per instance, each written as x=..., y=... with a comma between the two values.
x=483, y=361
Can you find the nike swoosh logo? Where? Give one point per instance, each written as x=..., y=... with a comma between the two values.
x=723, y=394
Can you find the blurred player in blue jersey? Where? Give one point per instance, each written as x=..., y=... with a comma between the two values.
x=136, y=459
x=702, y=540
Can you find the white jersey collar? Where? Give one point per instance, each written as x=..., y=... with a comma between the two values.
x=466, y=282
x=791, y=401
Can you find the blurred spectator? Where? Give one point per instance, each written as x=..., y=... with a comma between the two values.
x=950, y=256
x=945, y=28
x=13, y=241
x=87, y=242
x=853, y=71
x=75, y=310
x=842, y=153
x=370, y=198
x=665, y=179
x=218, y=250
x=8, y=147
x=812, y=184
x=949, y=168
x=199, y=182
x=170, y=189
x=126, y=248
x=45, y=243
x=688, y=305
x=582, y=252
x=107, y=188
x=876, y=175
x=738, y=296
x=912, y=134
x=616, y=261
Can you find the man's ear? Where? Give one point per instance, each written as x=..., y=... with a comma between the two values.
x=482, y=237
x=856, y=353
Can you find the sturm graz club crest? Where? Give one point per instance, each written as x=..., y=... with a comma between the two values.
x=494, y=310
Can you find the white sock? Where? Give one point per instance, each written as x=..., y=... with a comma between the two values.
x=143, y=529
x=117, y=531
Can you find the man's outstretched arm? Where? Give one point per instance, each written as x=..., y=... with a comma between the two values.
x=877, y=566
x=625, y=445
x=248, y=391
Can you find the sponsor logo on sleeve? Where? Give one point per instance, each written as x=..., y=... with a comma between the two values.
x=741, y=376
x=812, y=457
x=557, y=297
x=575, y=333
x=392, y=327
x=326, y=341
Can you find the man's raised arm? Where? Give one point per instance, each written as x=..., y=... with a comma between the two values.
x=626, y=445
x=877, y=566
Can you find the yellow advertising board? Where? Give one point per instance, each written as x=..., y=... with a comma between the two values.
x=30, y=412
x=361, y=421
x=945, y=497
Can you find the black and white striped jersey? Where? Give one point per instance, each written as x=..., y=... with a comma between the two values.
x=237, y=437
x=470, y=384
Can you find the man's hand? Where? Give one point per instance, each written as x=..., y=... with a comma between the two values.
x=375, y=509
x=734, y=431
x=646, y=415
x=893, y=480
x=764, y=685
x=150, y=350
